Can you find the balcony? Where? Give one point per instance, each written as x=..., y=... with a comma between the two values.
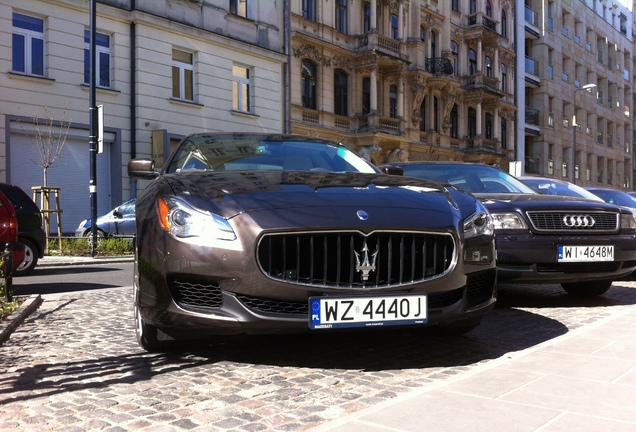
x=479, y=21
x=482, y=82
x=382, y=44
x=485, y=146
x=532, y=116
x=533, y=166
x=439, y=66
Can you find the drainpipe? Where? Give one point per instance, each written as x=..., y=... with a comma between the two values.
x=287, y=66
x=133, y=101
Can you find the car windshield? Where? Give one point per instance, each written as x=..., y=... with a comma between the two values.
x=553, y=187
x=245, y=153
x=615, y=197
x=472, y=178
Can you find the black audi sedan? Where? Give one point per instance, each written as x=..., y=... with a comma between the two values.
x=252, y=234
x=581, y=244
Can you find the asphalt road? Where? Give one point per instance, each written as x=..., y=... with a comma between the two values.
x=74, y=364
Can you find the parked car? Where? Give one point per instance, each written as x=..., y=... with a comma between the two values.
x=550, y=186
x=31, y=232
x=614, y=196
x=582, y=245
x=251, y=233
x=119, y=221
x=9, y=232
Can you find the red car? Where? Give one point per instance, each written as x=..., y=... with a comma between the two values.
x=9, y=231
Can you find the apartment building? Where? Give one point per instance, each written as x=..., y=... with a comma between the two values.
x=406, y=79
x=165, y=68
x=576, y=91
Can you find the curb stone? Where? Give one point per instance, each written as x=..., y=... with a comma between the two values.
x=9, y=324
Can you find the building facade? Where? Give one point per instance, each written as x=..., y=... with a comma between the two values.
x=576, y=92
x=492, y=81
x=165, y=68
x=406, y=79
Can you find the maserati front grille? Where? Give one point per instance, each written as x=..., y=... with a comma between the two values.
x=355, y=260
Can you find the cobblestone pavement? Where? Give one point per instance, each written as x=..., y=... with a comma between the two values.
x=74, y=365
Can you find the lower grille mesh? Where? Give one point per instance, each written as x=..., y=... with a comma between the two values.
x=352, y=260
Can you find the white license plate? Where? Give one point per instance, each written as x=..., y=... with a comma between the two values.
x=335, y=312
x=585, y=253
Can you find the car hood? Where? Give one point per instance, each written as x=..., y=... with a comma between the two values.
x=237, y=192
x=501, y=202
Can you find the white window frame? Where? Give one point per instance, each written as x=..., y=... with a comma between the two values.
x=183, y=67
x=99, y=49
x=239, y=86
x=29, y=36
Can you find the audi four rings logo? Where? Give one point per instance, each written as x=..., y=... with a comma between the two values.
x=573, y=221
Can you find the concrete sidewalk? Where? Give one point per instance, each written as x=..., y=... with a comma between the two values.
x=63, y=260
x=584, y=380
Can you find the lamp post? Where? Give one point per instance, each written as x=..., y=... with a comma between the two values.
x=585, y=87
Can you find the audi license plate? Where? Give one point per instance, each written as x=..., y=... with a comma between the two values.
x=585, y=253
x=335, y=312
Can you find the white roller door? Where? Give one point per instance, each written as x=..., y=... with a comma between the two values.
x=71, y=173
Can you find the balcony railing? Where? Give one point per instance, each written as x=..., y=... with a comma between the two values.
x=532, y=66
x=532, y=116
x=531, y=17
x=439, y=65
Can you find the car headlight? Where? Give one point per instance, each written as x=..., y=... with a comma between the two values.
x=628, y=221
x=479, y=224
x=508, y=221
x=182, y=220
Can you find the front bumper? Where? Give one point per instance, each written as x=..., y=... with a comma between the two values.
x=529, y=258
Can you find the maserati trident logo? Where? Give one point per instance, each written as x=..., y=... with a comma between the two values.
x=575, y=221
x=367, y=265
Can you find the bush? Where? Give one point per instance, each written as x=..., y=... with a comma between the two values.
x=74, y=246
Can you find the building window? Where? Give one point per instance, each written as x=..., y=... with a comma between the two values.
x=394, y=27
x=340, y=84
x=504, y=133
x=341, y=16
x=309, y=9
x=241, y=89
x=366, y=95
x=423, y=114
x=454, y=122
x=436, y=114
x=422, y=34
x=309, y=84
x=28, y=45
x=455, y=52
x=488, y=8
x=488, y=126
x=366, y=17
x=393, y=101
x=433, y=44
x=488, y=67
x=102, y=66
x=241, y=8
x=455, y=5
x=182, y=75
x=504, y=24
x=472, y=122
x=472, y=7
x=472, y=61
x=504, y=78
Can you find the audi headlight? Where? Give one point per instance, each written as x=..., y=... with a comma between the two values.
x=479, y=223
x=182, y=220
x=628, y=221
x=508, y=221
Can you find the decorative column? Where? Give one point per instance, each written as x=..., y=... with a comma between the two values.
x=400, y=96
x=374, y=16
x=374, y=91
x=479, y=125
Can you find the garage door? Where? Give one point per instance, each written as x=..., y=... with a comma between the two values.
x=71, y=173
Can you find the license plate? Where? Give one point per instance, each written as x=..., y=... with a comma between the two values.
x=336, y=312
x=585, y=253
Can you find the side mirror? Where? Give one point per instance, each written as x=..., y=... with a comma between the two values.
x=392, y=170
x=142, y=168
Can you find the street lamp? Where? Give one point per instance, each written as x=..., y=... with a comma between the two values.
x=585, y=87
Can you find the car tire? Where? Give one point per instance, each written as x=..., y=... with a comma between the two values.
x=100, y=235
x=147, y=334
x=30, y=259
x=587, y=289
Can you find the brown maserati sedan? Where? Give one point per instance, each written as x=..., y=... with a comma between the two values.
x=251, y=234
